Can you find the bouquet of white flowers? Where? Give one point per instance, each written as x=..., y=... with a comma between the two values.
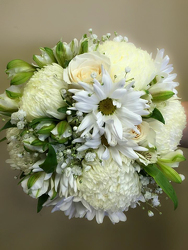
x=94, y=127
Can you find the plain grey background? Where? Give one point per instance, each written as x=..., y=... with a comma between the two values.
x=27, y=25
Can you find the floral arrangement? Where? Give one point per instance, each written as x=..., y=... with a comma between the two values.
x=93, y=127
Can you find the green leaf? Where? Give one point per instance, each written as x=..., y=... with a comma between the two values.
x=37, y=120
x=154, y=81
x=13, y=95
x=41, y=200
x=22, y=175
x=6, y=113
x=18, y=63
x=3, y=139
x=38, y=143
x=46, y=58
x=162, y=96
x=62, y=109
x=72, y=46
x=33, y=179
x=54, y=194
x=84, y=47
x=169, y=172
x=28, y=150
x=50, y=53
x=8, y=125
x=62, y=127
x=20, y=78
x=162, y=181
x=176, y=158
x=60, y=53
x=50, y=163
x=156, y=114
x=46, y=129
x=38, y=61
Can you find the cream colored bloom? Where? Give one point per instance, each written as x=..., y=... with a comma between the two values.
x=84, y=66
x=146, y=135
x=108, y=187
x=41, y=96
x=123, y=55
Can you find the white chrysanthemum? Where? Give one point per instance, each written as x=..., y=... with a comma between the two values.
x=41, y=96
x=20, y=159
x=109, y=103
x=123, y=55
x=108, y=187
x=168, y=135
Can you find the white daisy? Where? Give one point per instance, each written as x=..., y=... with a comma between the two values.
x=109, y=103
x=111, y=147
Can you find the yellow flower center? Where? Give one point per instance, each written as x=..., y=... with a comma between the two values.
x=106, y=107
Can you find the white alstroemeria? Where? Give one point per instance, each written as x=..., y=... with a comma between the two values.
x=8, y=105
x=28, y=140
x=64, y=52
x=109, y=103
x=172, y=159
x=148, y=157
x=36, y=184
x=164, y=80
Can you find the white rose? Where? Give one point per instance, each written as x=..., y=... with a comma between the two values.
x=146, y=136
x=83, y=66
